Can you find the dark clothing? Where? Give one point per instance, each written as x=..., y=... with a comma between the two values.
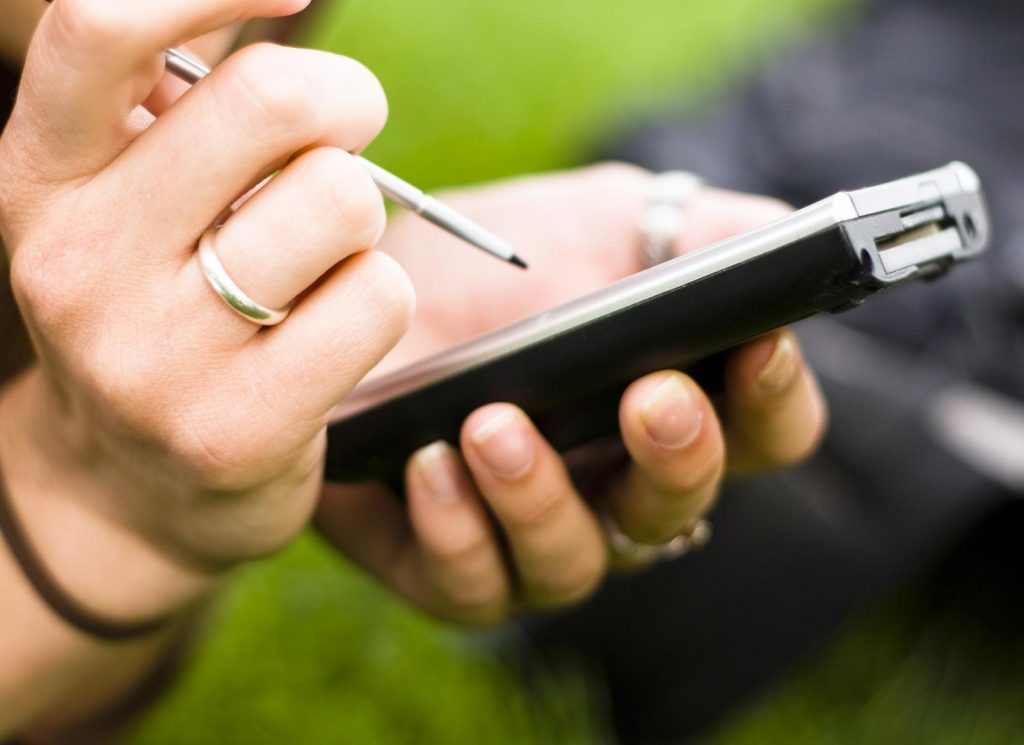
x=8, y=81
x=14, y=347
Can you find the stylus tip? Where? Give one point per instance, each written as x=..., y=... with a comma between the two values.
x=518, y=262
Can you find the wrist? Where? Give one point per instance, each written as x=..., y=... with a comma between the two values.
x=58, y=495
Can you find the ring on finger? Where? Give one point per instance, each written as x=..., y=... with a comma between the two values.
x=695, y=537
x=230, y=292
x=664, y=218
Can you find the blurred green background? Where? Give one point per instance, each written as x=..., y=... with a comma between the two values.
x=305, y=650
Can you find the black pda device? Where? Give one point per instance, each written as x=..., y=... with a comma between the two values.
x=568, y=367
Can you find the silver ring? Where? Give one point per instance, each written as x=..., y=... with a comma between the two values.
x=695, y=538
x=231, y=293
x=664, y=219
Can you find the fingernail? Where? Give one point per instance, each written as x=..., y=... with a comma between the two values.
x=671, y=416
x=437, y=469
x=504, y=445
x=782, y=367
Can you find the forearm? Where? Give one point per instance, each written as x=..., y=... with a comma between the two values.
x=135, y=503
x=57, y=685
x=51, y=674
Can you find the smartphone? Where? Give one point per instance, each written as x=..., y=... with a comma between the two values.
x=568, y=367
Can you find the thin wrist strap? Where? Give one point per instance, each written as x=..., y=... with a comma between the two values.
x=50, y=591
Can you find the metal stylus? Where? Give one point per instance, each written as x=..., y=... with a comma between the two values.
x=191, y=70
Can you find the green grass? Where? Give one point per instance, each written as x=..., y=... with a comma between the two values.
x=305, y=650
x=481, y=89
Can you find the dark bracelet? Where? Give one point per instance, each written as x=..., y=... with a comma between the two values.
x=50, y=591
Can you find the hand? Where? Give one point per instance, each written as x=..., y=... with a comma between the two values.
x=509, y=488
x=161, y=431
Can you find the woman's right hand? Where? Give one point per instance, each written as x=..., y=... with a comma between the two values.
x=161, y=437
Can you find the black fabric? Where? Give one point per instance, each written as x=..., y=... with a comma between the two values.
x=15, y=350
x=915, y=84
x=8, y=320
x=8, y=84
x=1002, y=10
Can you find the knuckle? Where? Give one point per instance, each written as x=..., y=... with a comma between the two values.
x=799, y=446
x=572, y=583
x=297, y=95
x=369, y=93
x=277, y=99
x=220, y=451
x=41, y=286
x=390, y=289
x=538, y=510
x=210, y=447
x=352, y=197
x=665, y=524
x=128, y=382
x=465, y=552
x=8, y=177
x=208, y=455
x=687, y=476
x=33, y=289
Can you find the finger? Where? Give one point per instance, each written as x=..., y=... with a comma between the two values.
x=461, y=556
x=92, y=62
x=250, y=116
x=321, y=209
x=368, y=525
x=335, y=335
x=776, y=412
x=672, y=434
x=716, y=215
x=212, y=46
x=556, y=543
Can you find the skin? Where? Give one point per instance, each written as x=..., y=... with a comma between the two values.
x=200, y=444
x=165, y=461
x=447, y=553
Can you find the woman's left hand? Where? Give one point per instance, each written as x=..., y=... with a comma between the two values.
x=499, y=524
